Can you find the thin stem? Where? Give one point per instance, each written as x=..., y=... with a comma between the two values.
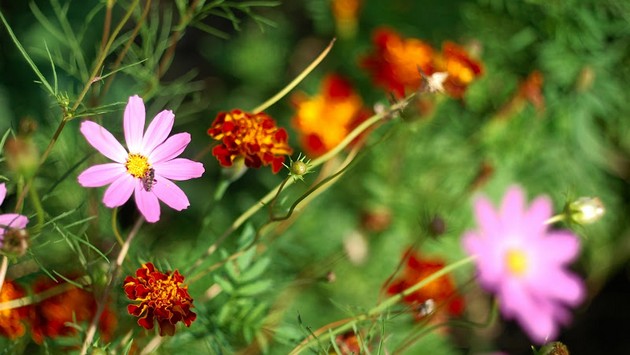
x=36, y=298
x=113, y=271
x=365, y=125
x=295, y=81
x=380, y=308
x=115, y=226
x=557, y=218
x=39, y=210
x=107, y=23
x=68, y=114
x=124, y=51
x=170, y=52
x=3, y=270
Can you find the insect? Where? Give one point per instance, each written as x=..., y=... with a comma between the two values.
x=148, y=180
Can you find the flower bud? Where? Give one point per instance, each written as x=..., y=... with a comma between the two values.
x=15, y=242
x=21, y=152
x=554, y=348
x=586, y=210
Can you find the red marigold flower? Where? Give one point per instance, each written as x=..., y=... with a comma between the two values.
x=396, y=61
x=325, y=119
x=49, y=317
x=461, y=68
x=11, y=320
x=161, y=297
x=441, y=290
x=252, y=136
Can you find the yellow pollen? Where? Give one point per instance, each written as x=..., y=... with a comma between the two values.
x=137, y=165
x=516, y=262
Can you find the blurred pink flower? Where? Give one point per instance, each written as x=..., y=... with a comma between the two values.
x=9, y=221
x=148, y=166
x=524, y=264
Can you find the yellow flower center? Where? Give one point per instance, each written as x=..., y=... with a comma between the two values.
x=165, y=292
x=137, y=165
x=516, y=262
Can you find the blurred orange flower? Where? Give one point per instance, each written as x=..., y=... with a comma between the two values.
x=252, y=136
x=49, y=317
x=346, y=13
x=325, y=119
x=460, y=67
x=12, y=320
x=161, y=297
x=396, y=62
x=441, y=291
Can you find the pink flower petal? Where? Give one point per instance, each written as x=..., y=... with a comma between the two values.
x=12, y=221
x=103, y=141
x=539, y=212
x=3, y=192
x=512, y=208
x=148, y=204
x=563, y=286
x=158, y=130
x=119, y=191
x=133, y=123
x=170, y=149
x=179, y=169
x=170, y=194
x=487, y=218
x=101, y=175
x=560, y=246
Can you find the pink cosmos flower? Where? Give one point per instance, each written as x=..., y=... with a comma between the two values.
x=146, y=167
x=524, y=264
x=9, y=221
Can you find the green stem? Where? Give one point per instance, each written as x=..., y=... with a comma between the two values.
x=264, y=201
x=380, y=308
x=39, y=210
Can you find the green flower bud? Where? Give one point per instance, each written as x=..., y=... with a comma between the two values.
x=586, y=210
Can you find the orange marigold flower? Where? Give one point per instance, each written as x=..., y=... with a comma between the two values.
x=396, y=62
x=441, y=291
x=11, y=320
x=461, y=68
x=325, y=119
x=161, y=297
x=252, y=136
x=49, y=318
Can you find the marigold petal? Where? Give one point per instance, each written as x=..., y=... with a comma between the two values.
x=103, y=141
x=119, y=191
x=147, y=203
x=158, y=130
x=101, y=174
x=133, y=123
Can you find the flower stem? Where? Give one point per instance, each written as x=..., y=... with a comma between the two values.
x=3, y=270
x=557, y=218
x=295, y=81
x=113, y=272
x=264, y=201
x=380, y=308
x=68, y=113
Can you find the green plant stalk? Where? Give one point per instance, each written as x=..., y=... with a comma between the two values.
x=295, y=81
x=39, y=210
x=114, y=270
x=68, y=113
x=36, y=298
x=380, y=308
x=285, y=184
